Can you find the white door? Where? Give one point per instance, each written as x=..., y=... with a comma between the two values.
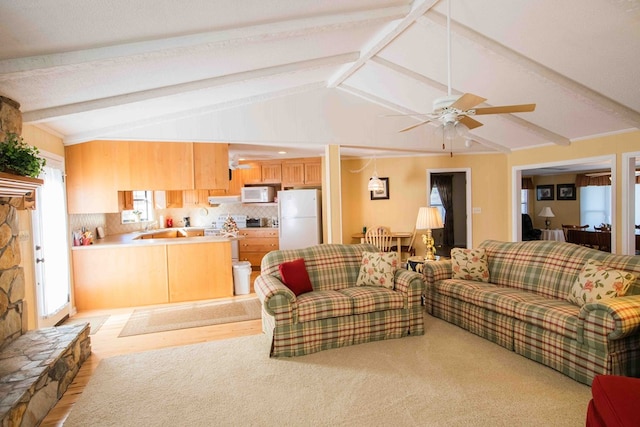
x=51, y=245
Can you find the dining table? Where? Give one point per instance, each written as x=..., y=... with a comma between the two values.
x=592, y=238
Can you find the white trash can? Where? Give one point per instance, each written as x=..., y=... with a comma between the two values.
x=241, y=277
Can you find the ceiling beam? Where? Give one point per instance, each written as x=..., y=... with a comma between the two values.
x=419, y=8
x=577, y=90
x=97, y=104
x=125, y=53
x=547, y=135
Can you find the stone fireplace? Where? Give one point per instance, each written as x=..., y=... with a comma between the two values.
x=36, y=366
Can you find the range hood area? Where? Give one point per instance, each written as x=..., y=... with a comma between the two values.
x=219, y=200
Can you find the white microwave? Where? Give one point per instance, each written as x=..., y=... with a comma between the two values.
x=257, y=194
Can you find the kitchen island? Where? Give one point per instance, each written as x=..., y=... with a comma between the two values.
x=130, y=269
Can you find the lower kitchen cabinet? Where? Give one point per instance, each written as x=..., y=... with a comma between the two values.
x=129, y=276
x=115, y=277
x=256, y=243
x=198, y=271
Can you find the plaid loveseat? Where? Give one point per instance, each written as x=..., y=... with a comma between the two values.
x=524, y=309
x=336, y=313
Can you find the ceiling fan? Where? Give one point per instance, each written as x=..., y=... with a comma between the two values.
x=234, y=163
x=454, y=112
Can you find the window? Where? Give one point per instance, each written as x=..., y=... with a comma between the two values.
x=524, y=201
x=436, y=202
x=142, y=208
x=595, y=205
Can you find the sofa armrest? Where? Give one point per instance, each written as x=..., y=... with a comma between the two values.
x=411, y=285
x=608, y=320
x=434, y=271
x=276, y=298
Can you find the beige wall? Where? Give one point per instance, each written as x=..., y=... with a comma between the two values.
x=408, y=191
x=35, y=136
x=565, y=211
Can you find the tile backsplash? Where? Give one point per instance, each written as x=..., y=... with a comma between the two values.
x=200, y=217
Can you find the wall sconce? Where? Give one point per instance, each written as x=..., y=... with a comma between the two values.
x=428, y=219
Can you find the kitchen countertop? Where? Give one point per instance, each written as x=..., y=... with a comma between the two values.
x=131, y=239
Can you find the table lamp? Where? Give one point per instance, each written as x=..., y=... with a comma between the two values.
x=547, y=213
x=429, y=219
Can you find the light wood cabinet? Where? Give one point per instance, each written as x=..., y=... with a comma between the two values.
x=271, y=172
x=139, y=279
x=252, y=175
x=195, y=198
x=95, y=172
x=256, y=243
x=199, y=271
x=160, y=166
x=125, y=200
x=151, y=274
x=301, y=172
x=211, y=166
x=174, y=199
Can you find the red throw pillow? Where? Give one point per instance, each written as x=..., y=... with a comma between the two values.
x=294, y=275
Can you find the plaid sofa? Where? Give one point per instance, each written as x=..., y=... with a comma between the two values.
x=524, y=309
x=336, y=313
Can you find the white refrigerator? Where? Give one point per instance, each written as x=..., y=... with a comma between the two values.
x=300, y=218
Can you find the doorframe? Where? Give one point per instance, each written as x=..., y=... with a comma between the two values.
x=629, y=194
x=66, y=310
x=516, y=187
x=467, y=176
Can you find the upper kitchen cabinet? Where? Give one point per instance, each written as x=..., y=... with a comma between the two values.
x=251, y=175
x=271, y=172
x=160, y=166
x=95, y=172
x=301, y=172
x=211, y=166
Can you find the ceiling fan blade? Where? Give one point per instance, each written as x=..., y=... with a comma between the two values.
x=467, y=101
x=415, y=126
x=522, y=108
x=469, y=122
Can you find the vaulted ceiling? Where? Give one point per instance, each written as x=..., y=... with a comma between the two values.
x=271, y=74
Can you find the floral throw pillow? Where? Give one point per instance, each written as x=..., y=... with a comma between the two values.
x=469, y=264
x=597, y=282
x=378, y=269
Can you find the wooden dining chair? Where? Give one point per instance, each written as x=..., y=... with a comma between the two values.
x=567, y=227
x=379, y=236
x=409, y=249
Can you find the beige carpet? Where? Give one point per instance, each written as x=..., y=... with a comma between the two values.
x=192, y=315
x=448, y=377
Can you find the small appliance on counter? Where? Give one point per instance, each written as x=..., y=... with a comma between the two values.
x=256, y=222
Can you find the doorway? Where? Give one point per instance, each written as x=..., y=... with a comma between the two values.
x=451, y=187
x=51, y=245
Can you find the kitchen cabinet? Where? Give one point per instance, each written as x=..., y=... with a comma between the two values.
x=195, y=198
x=160, y=166
x=199, y=271
x=125, y=200
x=251, y=175
x=256, y=243
x=139, y=279
x=95, y=172
x=271, y=172
x=301, y=172
x=211, y=166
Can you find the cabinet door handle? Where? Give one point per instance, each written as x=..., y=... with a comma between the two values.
x=39, y=260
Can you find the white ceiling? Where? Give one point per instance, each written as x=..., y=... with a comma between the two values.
x=297, y=75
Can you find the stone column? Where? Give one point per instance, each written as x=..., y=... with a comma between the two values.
x=10, y=117
x=12, y=286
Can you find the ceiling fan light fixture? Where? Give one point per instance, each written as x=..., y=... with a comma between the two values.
x=462, y=130
x=375, y=183
x=468, y=143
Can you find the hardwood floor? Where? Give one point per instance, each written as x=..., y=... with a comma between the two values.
x=106, y=343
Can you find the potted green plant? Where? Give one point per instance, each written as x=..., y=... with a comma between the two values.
x=19, y=158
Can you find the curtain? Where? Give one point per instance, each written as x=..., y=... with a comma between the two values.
x=444, y=184
x=527, y=183
x=583, y=180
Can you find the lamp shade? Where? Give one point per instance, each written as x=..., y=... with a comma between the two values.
x=429, y=218
x=546, y=212
x=375, y=183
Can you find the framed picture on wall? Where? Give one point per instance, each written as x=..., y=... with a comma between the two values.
x=381, y=194
x=544, y=192
x=566, y=191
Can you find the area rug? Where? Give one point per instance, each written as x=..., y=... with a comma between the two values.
x=448, y=377
x=95, y=322
x=192, y=315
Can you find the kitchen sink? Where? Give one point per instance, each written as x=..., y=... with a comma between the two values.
x=171, y=234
